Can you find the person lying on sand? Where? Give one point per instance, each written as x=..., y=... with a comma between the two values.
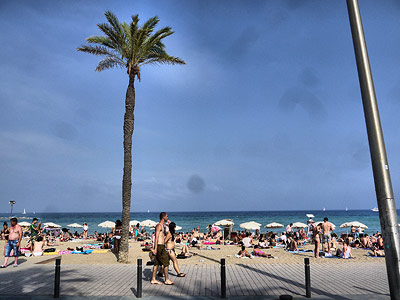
x=377, y=252
x=258, y=252
x=244, y=253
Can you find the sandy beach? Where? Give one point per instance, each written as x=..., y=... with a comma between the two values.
x=200, y=257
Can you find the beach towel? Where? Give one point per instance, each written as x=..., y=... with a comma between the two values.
x=238, y=256
x=336, y=257
x=82, y=252
x=50, y=253
x=100, y=251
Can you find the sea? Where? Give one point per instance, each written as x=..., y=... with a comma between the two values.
x=189, y=220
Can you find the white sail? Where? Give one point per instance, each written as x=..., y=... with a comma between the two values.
x=24, y=213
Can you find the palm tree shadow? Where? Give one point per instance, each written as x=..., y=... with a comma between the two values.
x=292, y=282
x=36, y=282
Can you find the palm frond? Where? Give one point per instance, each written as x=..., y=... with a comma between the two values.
x=108, y=63
x=113, y=20
x=151, y=24
x=164, y=59
x=102, y=40
x=96, y=50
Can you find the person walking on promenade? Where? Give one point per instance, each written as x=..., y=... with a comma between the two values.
x=327, y=228
x=170, y=248
x=14, y=242
x=161, y=255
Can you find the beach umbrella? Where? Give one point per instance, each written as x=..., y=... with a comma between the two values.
x=250, y=225
x=178, y=228
x=299, y=225
x=225, y=222
x=133, y=223
x=310, y=216
x=107, y=224
x=75, y=225
x=51, y=225
x=353, y=224
x=148, y=223
x=273, y=225
x=24, y=224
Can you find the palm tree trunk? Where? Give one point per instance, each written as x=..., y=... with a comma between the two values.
x=127, y=177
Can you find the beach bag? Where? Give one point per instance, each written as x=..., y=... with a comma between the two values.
x=50, y=250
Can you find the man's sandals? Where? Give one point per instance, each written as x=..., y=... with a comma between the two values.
x=181, y=275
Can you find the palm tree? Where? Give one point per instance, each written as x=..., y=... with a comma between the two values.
x=129, y=47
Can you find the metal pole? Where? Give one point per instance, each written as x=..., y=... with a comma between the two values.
x=308, y=277
x=383, y=185
x=11, y=210
x=223, y=278
x=139, y=278
x=57, y=279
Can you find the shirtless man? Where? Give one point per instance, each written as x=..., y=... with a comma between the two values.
x=14, y=242
x=162, y=258
x=327, y=228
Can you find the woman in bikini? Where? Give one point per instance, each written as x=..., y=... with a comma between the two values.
x=316, y=238
x=117, y=235
x=170, y=247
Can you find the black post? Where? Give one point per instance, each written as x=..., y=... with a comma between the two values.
x=139, y=278
x=308, y=277
x=57, y=278
x=223, y=278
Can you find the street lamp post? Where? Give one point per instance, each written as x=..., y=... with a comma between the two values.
x=380, y=166
x=12, y=204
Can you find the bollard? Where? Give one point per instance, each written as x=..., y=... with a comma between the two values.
x=57, y=278
x=223, y=278
x=139, y=278
x=308, y=277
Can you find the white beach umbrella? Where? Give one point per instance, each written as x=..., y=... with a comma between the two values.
x=273, y=225
x=353, y=224
x=51, y=225
x=310, y=216
x=148, y=223
x=107, y=224
x=24, y=224
x=133, y=223
x=178, y=228
x=299, y=225
x=225, y=222
x=250, y=225
x=75, y=225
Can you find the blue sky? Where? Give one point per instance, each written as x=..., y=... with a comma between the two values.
x=266, y=115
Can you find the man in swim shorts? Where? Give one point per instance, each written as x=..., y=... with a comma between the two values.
x=327, y=228
x=161, y=255
x=13, y=243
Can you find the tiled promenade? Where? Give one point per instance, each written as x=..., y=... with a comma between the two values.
x=339, y=280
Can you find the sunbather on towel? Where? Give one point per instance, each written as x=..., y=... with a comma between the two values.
x=258, y=252
x=244, y=253
x=38, y=247
x=377, y=252
x=345, y=252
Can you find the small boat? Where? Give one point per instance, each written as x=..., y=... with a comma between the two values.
x=375, y=209
x=148, y=211
x=323, y=209
x=24, y=213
